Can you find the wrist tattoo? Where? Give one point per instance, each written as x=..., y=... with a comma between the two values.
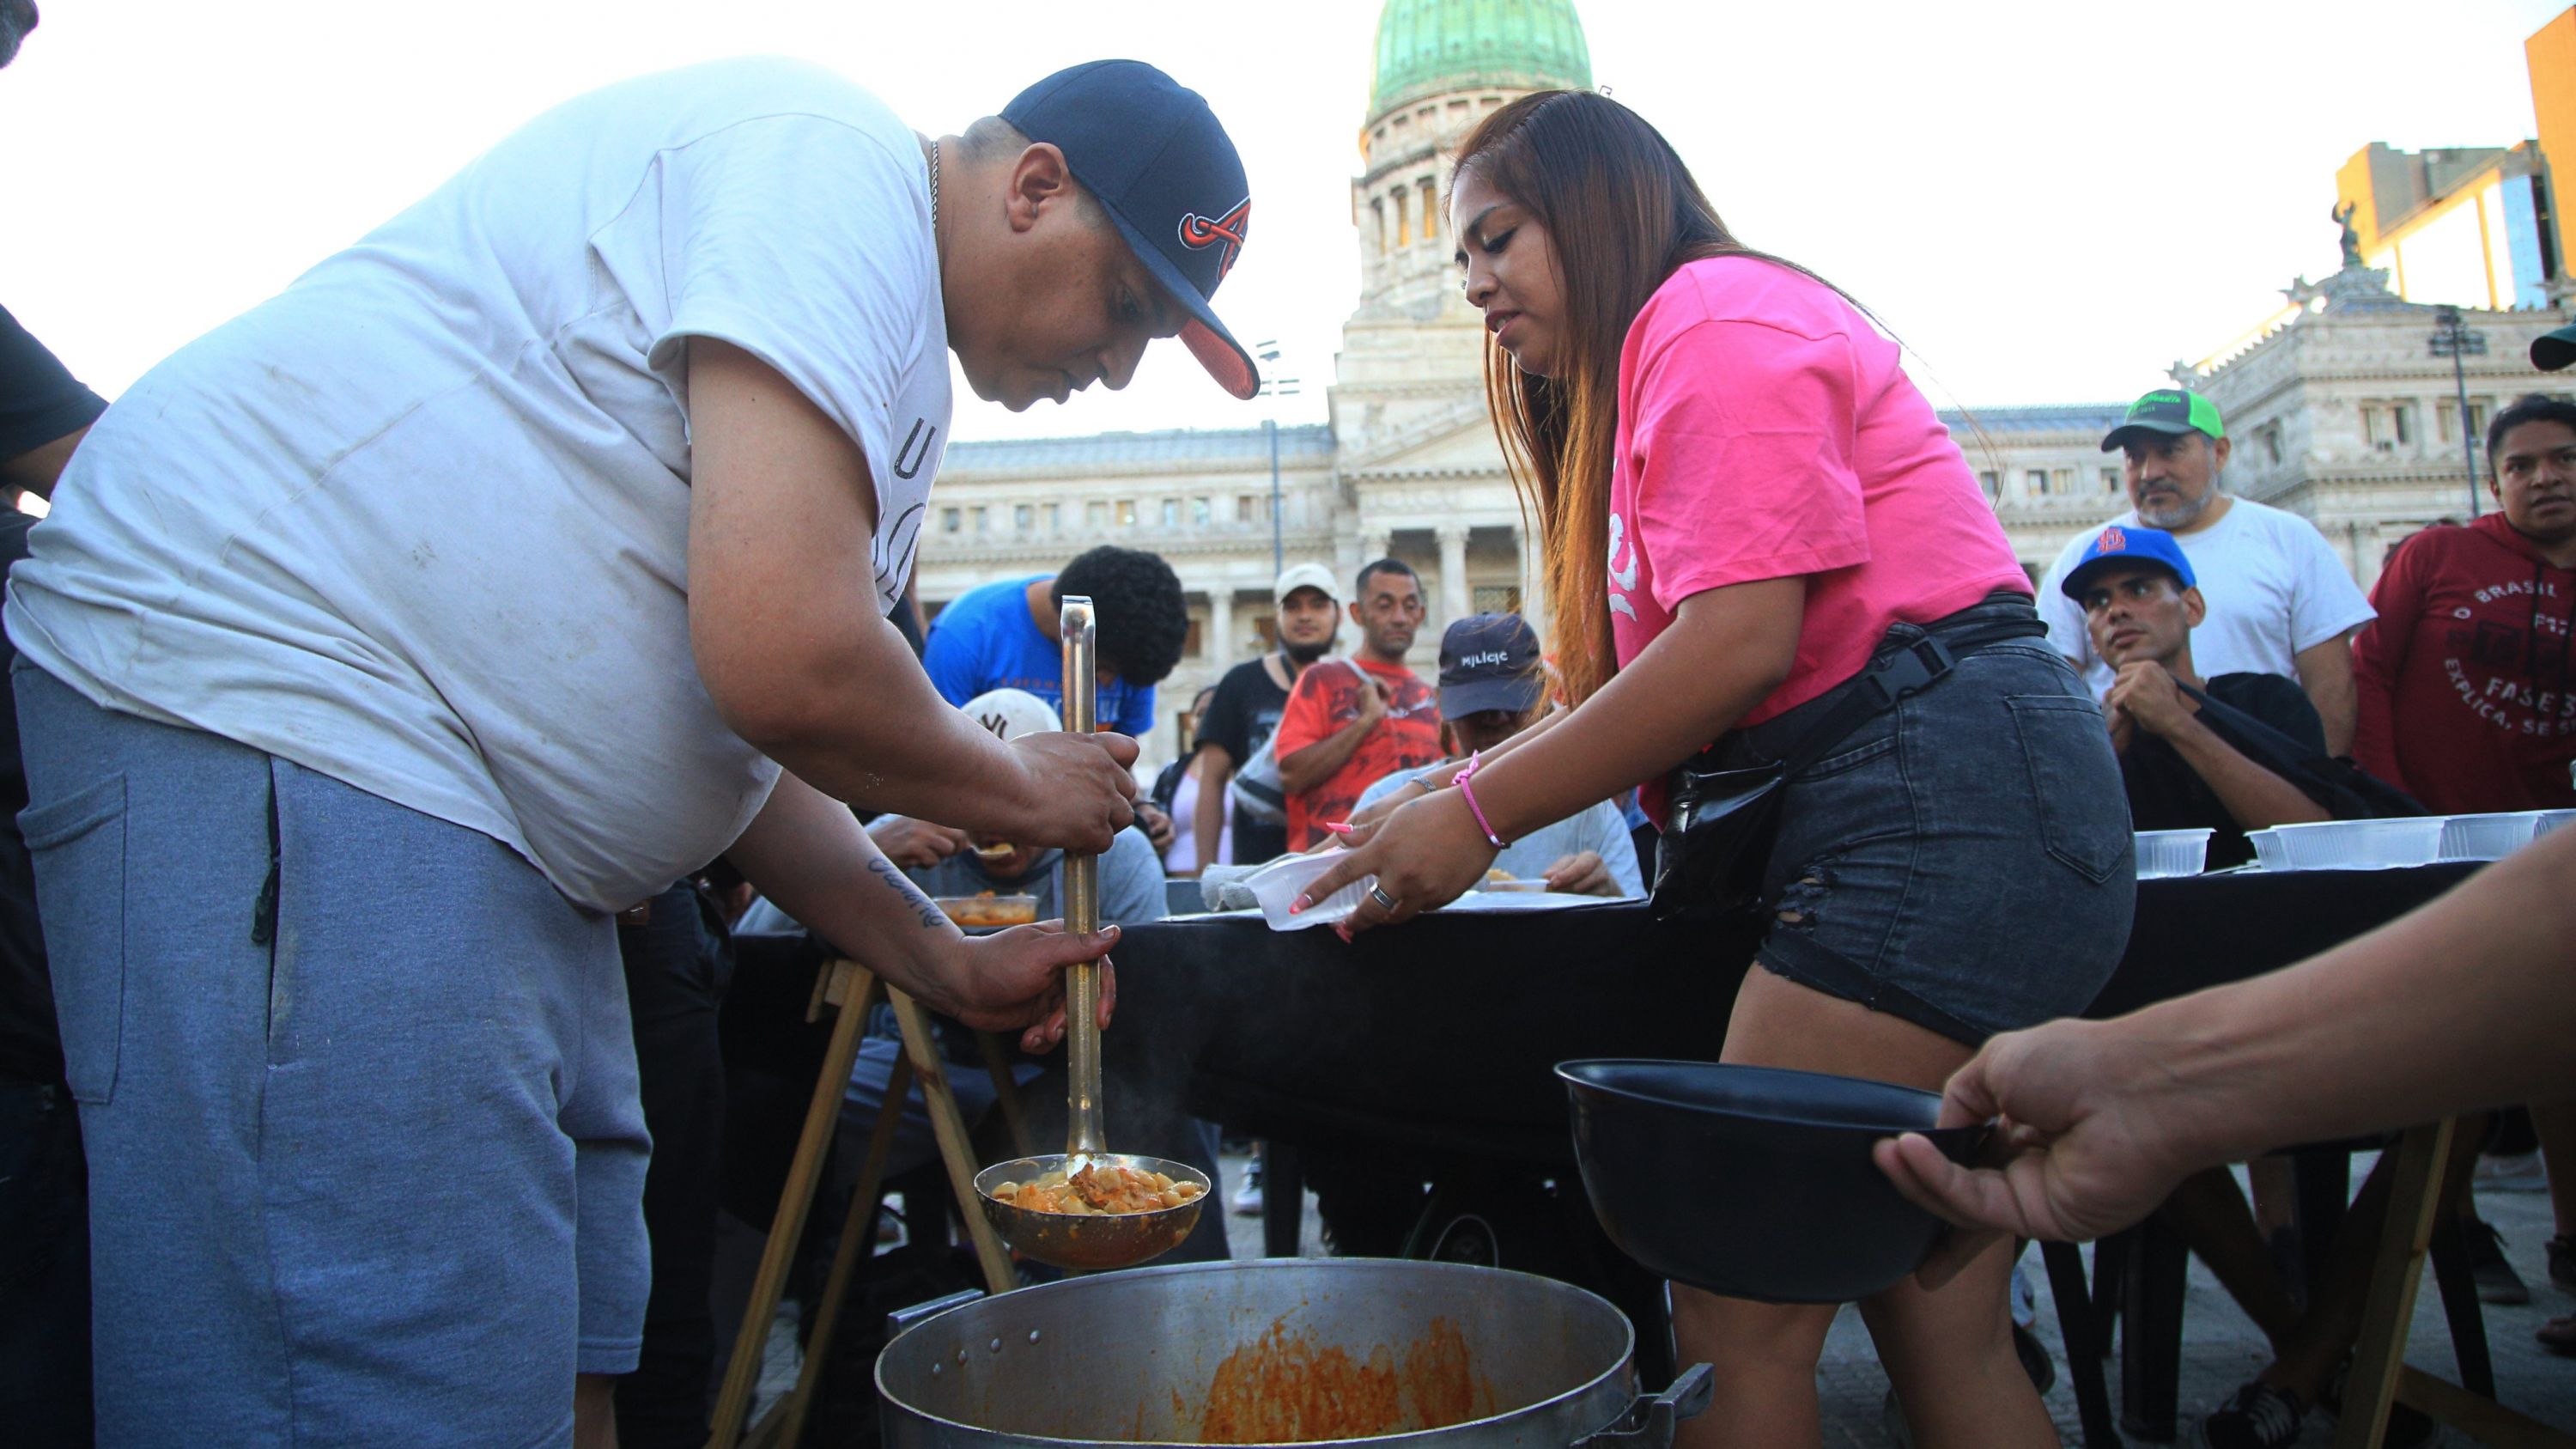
x=932, y=918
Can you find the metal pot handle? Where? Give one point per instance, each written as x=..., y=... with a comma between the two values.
x=1649, y=1422
x=903, y=1320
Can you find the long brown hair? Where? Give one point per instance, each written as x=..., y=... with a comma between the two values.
x=1622, y=212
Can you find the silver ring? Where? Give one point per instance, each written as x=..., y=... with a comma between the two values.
x=1378, y=894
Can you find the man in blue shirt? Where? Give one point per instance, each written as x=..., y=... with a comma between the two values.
x=1003, y=635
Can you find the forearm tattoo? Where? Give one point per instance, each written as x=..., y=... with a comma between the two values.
x=932, y=918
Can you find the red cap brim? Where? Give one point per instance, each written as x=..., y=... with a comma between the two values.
x=1224, y=360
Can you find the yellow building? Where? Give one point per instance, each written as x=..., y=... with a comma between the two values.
x=2467, y=225
x=2473, y=226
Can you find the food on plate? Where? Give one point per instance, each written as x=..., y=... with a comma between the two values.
x=1499, y=876
x=995, y=851
x=984, y=908
x=1098, y=1189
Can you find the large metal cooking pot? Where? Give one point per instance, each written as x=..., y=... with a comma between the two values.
x=1412, y=1355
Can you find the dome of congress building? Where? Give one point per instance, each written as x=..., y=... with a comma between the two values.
x=1429, y=47
x=2338, y=412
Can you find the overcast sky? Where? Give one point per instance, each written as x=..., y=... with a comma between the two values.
x=2049, y=202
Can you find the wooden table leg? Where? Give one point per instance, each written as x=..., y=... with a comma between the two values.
x=849, y=985
x=857, y=1244
x=1006, y=1091
x=954, y=1148
x=2414, y=1198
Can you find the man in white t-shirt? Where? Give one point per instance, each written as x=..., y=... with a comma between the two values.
x=392, y=637
x=2279, y=600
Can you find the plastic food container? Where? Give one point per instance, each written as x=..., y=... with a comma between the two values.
x=2163, y=853
x=2488, y=837
x=2349, y=844
x=1277, y=885
x=974, y=912
x=2550, y=820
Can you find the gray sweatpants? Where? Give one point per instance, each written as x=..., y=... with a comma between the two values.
x=358, y=1088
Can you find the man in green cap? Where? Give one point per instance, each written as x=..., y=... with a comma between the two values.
x=2279, y=600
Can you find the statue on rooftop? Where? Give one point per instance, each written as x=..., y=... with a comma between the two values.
x=2351, y=239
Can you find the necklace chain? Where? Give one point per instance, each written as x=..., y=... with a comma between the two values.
x=934, y=190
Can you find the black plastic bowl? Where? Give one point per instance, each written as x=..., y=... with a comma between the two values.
x=1754, y=1182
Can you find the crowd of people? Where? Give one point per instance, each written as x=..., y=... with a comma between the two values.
x=312, y=765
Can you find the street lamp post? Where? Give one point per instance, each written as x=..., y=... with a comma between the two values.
x=1274, y=387
x=2453, y=341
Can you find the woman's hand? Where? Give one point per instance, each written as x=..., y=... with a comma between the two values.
x=1363, y=824
x=1014, y=980
x=1425, y=855
x=2090, y=1144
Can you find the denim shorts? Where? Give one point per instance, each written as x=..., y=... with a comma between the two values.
x=359, y=1096
x=1963, y=860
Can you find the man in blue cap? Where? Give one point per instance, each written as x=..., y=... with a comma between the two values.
x=2140, y=604
x=388, y=641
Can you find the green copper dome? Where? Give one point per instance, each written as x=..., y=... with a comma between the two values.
x=1425, y=47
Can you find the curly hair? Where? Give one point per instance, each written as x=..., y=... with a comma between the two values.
x=1137, y=600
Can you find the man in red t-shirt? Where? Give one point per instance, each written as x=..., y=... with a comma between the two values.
x=2465, y=677
x=1351, y=723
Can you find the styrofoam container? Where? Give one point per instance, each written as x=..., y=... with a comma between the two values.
x=2163, y=853
x=2349, y=844
x=1277, y=885
x=2488, y=837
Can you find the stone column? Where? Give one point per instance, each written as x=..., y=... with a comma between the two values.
x=1533, y=574
x=1454, y=597
x=1221, y=643
x=1374, y=546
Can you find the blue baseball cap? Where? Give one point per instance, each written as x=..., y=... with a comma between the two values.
x=1490, y=661
x=1151, y=152
x=2127, y=543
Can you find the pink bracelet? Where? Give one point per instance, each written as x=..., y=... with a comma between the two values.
x=1467, y=792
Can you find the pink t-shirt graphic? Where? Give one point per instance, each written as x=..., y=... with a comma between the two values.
x=1767, y=431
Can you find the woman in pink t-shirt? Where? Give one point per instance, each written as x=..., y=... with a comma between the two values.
x=1745, y=505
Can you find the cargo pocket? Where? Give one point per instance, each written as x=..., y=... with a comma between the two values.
x=78, y=846
x=2074, y=782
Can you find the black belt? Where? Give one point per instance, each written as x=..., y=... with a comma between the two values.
x=1910, y=660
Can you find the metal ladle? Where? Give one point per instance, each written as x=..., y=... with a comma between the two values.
x=1070, y=1240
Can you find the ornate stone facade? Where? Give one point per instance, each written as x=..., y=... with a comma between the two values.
x=2341, y=412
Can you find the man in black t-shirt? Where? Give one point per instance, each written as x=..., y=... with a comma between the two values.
x=2193, y=752
x=1248, y=703
x=44, y=1197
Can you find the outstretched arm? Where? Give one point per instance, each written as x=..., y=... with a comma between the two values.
x=2458, y=1006
x=808, y=854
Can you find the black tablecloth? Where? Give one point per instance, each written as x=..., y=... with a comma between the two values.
x=1439, y=1037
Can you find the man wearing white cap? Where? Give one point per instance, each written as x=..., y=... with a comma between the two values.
x=1248, y=704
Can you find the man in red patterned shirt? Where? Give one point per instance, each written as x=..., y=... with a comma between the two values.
x=1351, y=723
